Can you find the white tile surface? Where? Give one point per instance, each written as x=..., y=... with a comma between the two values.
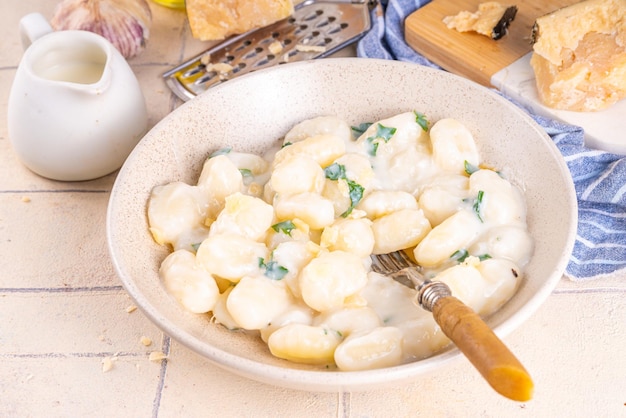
x=62, y=310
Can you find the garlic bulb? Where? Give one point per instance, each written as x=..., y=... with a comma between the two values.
x=125, y=23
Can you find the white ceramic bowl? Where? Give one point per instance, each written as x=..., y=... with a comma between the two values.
x=251, y=112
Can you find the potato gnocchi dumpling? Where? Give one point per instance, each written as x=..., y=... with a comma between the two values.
x=244, y=215
x=351, y=235
x=281, y=244
x=330, y=278
x=297, y=174
x=398, y=230
x=256, y=301
x=192, y=286
x=453, y=144
x=176, y=214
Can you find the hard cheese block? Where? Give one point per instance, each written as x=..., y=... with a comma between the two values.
x=605, y=130
x=469, y=54
x=218, y=19
x=505, y=64
x=579, y=55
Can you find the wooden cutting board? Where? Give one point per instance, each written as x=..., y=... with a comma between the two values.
x=469, y=54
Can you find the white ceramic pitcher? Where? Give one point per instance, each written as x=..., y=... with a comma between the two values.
x=76, y=110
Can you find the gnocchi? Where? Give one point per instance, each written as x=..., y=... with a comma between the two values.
x=280, y=244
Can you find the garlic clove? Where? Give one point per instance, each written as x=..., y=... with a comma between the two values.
x=125, y=23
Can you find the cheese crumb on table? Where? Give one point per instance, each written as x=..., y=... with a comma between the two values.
x=107, y=364
x=146, y=341
x=157, y=356
x=131, y=308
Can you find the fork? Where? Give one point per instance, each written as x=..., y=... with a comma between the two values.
x=464, y=327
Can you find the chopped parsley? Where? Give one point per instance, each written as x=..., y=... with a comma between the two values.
x=382, y=132
x=462, y=254
x=335, y=171
x=355, y=190
x=285, y=227
x=286, y=144
x=470, y=168
x=222, y=151
x=357, y=131
x=478, y=205
x=421, y=120
x=337, y=333
x=273, y=270
x=459, y=255
x=245, y=172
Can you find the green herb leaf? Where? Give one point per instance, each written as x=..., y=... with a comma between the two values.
x=484, y=257
x=385, y=133
x=421, y=120
x=222, y=151
x=273, y=270
x=357, y=131
x=382, y=132
x=335, y=171
x=478, y=203
x=372, y=147
x=470, y=168
x=196, y=246
x=459, y=255
x=355, y=191
x=245, y=172
x=285, y=227
x=286, y=144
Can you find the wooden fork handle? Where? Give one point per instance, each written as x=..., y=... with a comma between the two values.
x=483, y=348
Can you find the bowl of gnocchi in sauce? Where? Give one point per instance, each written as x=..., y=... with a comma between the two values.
x=244, y=223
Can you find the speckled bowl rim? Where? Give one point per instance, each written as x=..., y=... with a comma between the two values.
x=128, y=204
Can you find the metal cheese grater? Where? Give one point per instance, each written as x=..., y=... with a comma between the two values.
x=316, y=29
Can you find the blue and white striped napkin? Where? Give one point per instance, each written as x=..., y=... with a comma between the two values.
x=599, y=177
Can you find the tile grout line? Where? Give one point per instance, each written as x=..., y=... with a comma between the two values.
x=174, y=100
x=53, y=191
x=597, y=290
x=56, y=355
x=156, y=403
x=84, y=289
x=343, y=404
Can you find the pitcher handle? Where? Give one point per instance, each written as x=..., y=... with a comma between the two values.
x=32, y=27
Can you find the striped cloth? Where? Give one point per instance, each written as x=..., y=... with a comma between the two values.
x=599, y=177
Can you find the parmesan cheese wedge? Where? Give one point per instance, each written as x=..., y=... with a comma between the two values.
x=579, y=56
x=219, y=19
x=492, y=19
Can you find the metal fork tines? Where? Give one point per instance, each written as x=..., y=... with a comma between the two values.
x=400, y=267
